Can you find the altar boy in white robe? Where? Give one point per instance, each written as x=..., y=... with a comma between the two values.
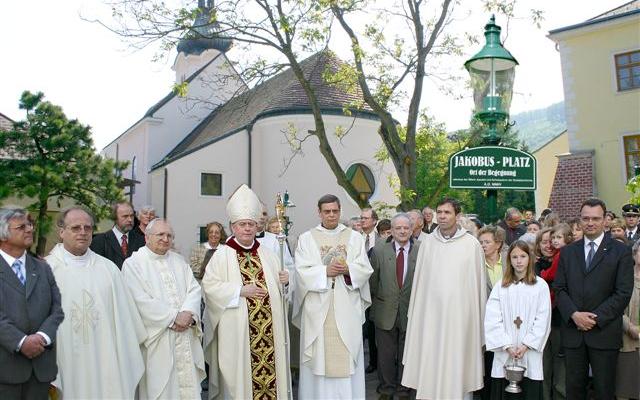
x=99, y=344
x=168, y=299
x=243, y=293
x=331, y=296
x=517, y=323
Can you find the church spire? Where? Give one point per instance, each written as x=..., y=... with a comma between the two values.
x=204, y=34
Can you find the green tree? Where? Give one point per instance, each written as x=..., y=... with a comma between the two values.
x=388, y=70
x=53, y=158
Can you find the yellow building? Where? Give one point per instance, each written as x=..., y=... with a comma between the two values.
x=601, y=74
x=547, y=164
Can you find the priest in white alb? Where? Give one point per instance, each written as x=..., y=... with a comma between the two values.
x=98, y=344
x=331, y=296
x=243, y=287
x=167, y=297
x=443, y=356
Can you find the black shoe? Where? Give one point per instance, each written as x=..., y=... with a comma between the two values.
x=370, y=369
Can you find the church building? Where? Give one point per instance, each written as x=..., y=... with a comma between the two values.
x=187, y=154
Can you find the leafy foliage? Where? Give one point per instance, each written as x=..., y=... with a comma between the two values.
x=388, y=67
x=50, y=157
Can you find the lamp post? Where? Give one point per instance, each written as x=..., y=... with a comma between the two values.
x=492, y=71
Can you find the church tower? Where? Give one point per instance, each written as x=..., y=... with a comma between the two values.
x=201, y=44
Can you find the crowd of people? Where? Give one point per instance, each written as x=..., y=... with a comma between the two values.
x=445, y=304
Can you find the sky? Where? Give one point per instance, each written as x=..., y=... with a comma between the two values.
x=99, y=79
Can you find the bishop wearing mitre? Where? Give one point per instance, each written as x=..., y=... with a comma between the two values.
x=243, y=287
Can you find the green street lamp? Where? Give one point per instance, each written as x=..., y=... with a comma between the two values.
x=492, y=71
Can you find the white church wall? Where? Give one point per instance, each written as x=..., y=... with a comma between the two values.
x=153, y=138
x=308, y=176
x=187, y=209
x=182, y=114
x=132, y=147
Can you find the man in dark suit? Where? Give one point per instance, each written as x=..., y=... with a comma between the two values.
x=594, y=283
x=120, y=242
x=429, y=224
x=512, y=225
x=368, y=222
x=393, y=265
x=30, y=312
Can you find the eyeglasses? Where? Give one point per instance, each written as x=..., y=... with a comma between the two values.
x=23, y=227
x=591, y=219
x=80, y=228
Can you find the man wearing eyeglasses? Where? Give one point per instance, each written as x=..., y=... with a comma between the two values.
x=593, y=287
x=30, y=312
x=100, y=341
x=167, y=297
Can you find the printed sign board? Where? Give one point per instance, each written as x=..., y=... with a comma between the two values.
x=492, y=167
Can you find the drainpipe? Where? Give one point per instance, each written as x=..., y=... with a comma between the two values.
x=249, y=130
x=165, y=190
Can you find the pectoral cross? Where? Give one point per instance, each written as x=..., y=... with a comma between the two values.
x=518, y=322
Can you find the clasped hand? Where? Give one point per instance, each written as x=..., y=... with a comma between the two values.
x=33, y=346
x=584, y=320
x=335, y=268
x=517, y=352
x=183, y=321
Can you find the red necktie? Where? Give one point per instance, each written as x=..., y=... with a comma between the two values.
x=400, y=266
x=124, y=246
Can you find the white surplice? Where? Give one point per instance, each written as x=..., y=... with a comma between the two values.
x=98, y=343
x=533, y=305
x=313, y=299
x=229, y=353
x=162, y=286
x=443, y=357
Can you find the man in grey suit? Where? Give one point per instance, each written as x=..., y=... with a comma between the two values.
x=30, y=312
x=393, y=265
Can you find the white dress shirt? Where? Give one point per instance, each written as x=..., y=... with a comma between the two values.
x=587, y=248
x=119, y=235
x=405, y=250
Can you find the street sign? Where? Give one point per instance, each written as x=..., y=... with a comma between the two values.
x=492, y=167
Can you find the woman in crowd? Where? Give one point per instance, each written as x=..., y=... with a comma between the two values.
x=202, y=252
x=617, y=228
x=628, y=369
x=491, y=239
x=144, y=216
x=608, y=217
x=576, y=229
x=533, y=227
x=517, y=323
x=543, y=250
x=273, y=225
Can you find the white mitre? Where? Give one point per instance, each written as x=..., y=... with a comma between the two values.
x=244, y=204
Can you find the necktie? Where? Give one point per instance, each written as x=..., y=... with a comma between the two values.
x=366, y=242
x=630, y=236
x=16, y=269
x=124, y=246
x=400, y=266
x=592, y=252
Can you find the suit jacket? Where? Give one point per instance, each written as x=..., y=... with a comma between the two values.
x=430, y=228
x=25, y=310
x=512, y=234
x=388, y=299
x=605, y=291
x=107, y=245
